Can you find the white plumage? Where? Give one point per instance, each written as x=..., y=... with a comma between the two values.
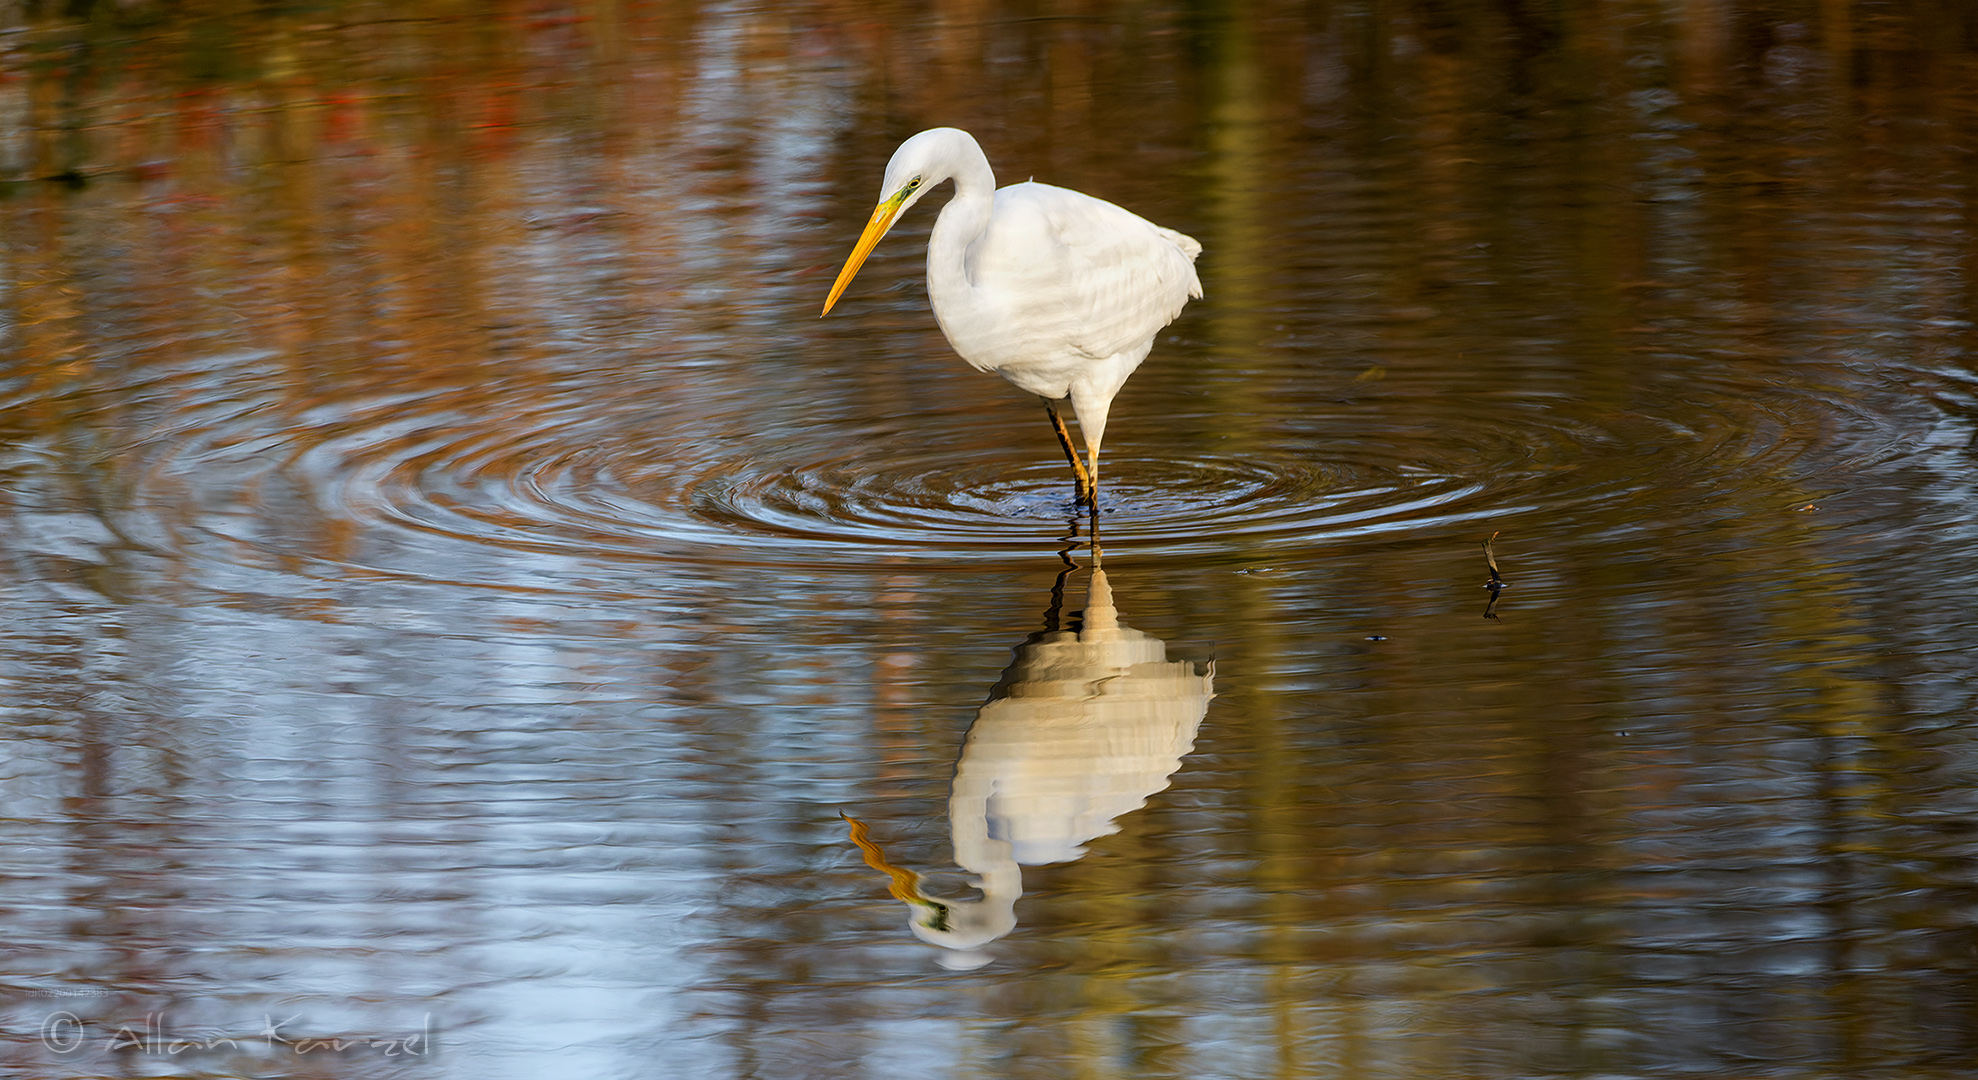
x=1054, y=290
x=1086, y=725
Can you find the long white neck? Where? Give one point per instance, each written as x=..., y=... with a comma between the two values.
x=965, y=217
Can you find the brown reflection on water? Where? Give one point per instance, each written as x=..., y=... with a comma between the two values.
x=450, y=568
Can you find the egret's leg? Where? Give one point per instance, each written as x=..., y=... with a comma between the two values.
x=1086, y=492
x=1091, y=401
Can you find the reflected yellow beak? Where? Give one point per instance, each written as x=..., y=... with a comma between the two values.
x=882, y=219
x=905, y=884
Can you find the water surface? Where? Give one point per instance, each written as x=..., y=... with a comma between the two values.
x=456, y=584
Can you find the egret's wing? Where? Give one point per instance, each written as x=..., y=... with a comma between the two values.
x=1108, y=278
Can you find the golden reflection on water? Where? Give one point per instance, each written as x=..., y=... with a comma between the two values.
x=449, y=566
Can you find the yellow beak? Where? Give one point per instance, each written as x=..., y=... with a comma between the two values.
x=882, y=219
x=906, y=883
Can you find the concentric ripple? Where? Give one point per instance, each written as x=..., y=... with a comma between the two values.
x=820, y=501
x=428, y=478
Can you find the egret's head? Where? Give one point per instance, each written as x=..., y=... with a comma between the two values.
x=924, y=161
x=937, y=924
x=961, y=926
x=917, y=166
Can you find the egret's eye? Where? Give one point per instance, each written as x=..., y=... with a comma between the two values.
x=913, y=183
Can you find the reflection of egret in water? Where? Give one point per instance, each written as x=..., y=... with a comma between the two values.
x=1087, y=723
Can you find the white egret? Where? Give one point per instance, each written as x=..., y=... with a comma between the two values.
x=1088, y=722
x=1054, y=290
